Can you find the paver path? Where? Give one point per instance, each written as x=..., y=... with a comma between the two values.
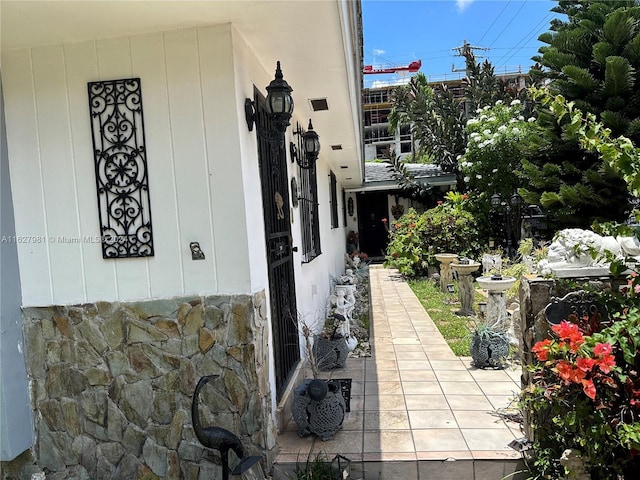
x=415, y=406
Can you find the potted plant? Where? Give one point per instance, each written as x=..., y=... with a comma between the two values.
x=330, y=349
x=489, y=345
x=319, y=406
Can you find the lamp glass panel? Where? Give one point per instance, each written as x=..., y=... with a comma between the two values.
x=311, y=145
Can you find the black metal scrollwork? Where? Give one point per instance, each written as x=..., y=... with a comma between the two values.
x=122, y=181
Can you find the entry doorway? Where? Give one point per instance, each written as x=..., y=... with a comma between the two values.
x=373, y=235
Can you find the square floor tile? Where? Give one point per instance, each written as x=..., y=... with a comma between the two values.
x=388, y=441
x=460, y=388
x=478, y=419
x=426, y=402
x=480, y=438
x=290, y=442
x=391, y=469
x=446, y=470
x=409, y=348
x=353, y=421
x=503, y=401
x=432, y=419
x=404, y=355
x=418, y=376
x=452, y=364
x=421, y=388
x=499, y=388
x=386, y=420
x=469, y=402
x=382, y=388
x=381, y=364
x=454, y=376
x=438, y=439
x=381, y=375
x=384, y=402
x=439, y=354
x=406, y=341
x=489, y=374
x=414, y=365
x=343, y=442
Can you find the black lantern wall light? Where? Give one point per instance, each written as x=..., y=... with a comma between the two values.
x=309, y=145
x=279, y=107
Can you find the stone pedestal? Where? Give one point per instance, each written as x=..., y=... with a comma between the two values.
x=497, y=314
x=446, y=277
x=465, y=286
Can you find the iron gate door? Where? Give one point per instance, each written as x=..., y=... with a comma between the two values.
x=275, y=201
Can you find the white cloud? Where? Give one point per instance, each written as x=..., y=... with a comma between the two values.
x=378, y=51
x=462, y=5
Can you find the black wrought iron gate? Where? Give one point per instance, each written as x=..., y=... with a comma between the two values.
x=275, y=201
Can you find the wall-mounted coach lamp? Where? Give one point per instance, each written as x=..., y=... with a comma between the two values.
x=279, y=103
x=310, y=145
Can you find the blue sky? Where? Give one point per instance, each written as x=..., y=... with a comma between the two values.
x=397, y=32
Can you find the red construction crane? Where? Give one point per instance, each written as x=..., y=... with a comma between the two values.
x=413, y=67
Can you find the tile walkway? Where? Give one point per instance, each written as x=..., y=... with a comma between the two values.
x=417, y=411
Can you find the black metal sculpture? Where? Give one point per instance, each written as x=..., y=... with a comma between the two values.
x=218, y=438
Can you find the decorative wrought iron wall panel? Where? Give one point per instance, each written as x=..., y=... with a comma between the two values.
x=122, y=181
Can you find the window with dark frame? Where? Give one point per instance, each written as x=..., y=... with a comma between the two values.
x=333, y=189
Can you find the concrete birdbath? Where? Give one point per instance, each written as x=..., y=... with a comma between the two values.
x=465, y=288
x=496, y=285
x=446, y=277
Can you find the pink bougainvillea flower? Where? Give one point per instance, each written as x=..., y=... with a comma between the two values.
x=541, y=350
x=605, y=363
x=636, y=289
x=585, y=364
x=568, y=331
x=564, y=370
x=602, y=349
x=589, y=389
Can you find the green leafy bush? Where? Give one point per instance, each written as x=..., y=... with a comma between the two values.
x=415, y=238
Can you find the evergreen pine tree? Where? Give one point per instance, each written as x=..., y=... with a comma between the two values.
x=591, y=58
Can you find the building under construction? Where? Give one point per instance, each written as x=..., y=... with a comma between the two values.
x=379, y=141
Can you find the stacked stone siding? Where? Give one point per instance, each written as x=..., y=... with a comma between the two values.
x=112, y=383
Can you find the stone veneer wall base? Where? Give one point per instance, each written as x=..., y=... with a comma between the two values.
x=111, y=384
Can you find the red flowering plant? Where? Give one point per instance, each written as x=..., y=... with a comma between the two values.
x=585, y=394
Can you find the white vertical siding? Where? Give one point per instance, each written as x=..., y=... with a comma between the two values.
x=81, y=64
x=167, y=266
x=191, y=169
x=225, y=176
x=195, y=169
x=27, y=177
x=58, y=172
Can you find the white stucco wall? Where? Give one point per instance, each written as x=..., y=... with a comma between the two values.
x=195, y=176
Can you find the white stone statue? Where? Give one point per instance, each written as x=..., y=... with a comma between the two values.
x=571, y=249
x=491, y=262
x=348, y=278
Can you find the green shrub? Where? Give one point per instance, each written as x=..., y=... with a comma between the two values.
x=415, y=239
